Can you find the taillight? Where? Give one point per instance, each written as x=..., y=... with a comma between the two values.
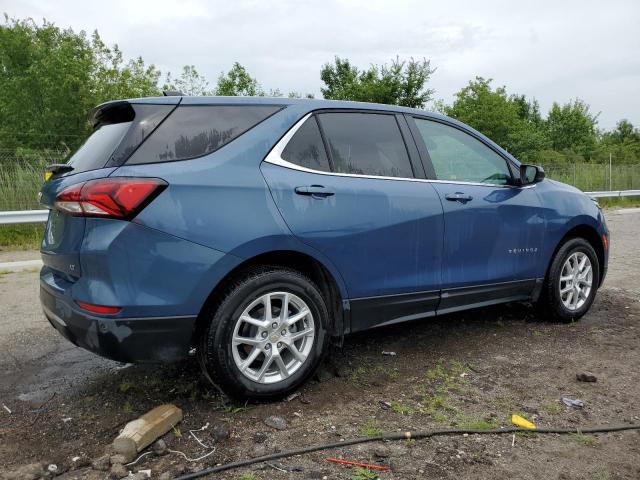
x=117, y=197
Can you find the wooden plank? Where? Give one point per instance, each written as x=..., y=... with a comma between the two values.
x=142, y=432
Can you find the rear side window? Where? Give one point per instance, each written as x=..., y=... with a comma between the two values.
x=119, y=127
x=366, y=144
x=195, y=130
x=457, y=156
x=306, y=148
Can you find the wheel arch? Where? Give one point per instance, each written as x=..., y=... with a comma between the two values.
x=329, y=283
x=591, y=235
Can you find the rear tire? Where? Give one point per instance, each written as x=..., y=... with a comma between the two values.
x=254, y=346
x=572, y=282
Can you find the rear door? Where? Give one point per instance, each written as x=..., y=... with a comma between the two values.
x=348, y=185
x=493, y=228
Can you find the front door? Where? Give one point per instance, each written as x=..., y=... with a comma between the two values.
x=493, y=229
x=360, y=205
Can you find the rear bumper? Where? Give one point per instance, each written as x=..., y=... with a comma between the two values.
x=131, y=340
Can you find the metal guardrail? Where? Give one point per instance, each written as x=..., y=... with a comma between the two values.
x=38, y=216
x=614, y=193
x=23, y=216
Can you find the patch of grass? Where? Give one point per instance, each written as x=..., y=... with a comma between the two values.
x=537, y=333
x=602, y=475
x=176, y=432
x=21, y=237
x=438, y=407
x=360, y=473
x=584, y=439
x=370, y=429
x=127, y=407
x=622, y=202
x=363, y=374
x=475, y=423
x=124, y=386
x=233, y=410
x=442, y=381
x=401, y=408
x=552, y=408
x=249, y=476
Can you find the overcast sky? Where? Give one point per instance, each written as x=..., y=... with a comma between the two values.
x=550, y=50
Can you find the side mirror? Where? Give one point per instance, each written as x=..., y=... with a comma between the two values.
x=530, y=174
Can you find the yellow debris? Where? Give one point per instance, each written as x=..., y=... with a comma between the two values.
x=518, y=421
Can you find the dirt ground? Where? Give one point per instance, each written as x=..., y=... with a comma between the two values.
x=467, y=370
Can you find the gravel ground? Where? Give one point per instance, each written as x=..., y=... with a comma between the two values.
x=472, y=369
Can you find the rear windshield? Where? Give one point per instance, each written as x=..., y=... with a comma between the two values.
x=195, y=130
x=97, y=149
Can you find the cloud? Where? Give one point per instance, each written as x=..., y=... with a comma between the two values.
x=551, y=50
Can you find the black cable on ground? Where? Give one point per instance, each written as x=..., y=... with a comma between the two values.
x=398, y=436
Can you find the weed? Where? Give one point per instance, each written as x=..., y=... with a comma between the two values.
x=249, y=476
x=362, y=374
x=586, y=440
x=552, y=408
x=127, y=408
x=602, y=475
x=401, y=408
x=537, y=333
x=360, y=473
x=475, y=423
x=234, y=410
x=371, y=429
x=177, y=432
x=124, y=386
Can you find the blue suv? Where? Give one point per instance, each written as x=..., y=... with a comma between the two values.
x=252, y=231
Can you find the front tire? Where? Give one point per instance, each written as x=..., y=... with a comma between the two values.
x=266, y=336
x=572, y=281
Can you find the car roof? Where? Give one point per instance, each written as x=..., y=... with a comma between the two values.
x=310, y=103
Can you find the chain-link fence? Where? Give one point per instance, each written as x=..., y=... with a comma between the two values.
x=21, y=176
x=591, y=177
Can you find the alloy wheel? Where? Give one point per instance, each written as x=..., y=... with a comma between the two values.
x=576, y=280
x=273, y=337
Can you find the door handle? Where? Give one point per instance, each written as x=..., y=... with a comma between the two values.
x=458, y=197
x=317, y=191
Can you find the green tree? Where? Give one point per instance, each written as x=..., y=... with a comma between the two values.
x=238, y=82
x=400, y=83
x=51, y=78
x=190, y=82
x=572, y=127
x=487, y=110
x=513, y=122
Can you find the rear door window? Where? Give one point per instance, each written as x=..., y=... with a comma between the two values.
x=306, y=148
x=366, y=144
x=195, y=130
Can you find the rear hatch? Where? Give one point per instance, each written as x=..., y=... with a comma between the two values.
x=118, y=130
